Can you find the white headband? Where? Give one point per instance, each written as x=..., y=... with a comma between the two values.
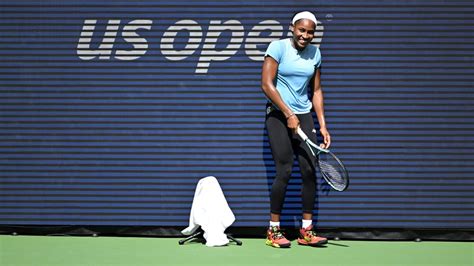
x=304, y=15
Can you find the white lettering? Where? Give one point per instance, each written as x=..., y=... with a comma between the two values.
x=253, y=38
x=105, y=49
x=195, y=37
x=140, y=45
x=255, y=43
x=209, y=52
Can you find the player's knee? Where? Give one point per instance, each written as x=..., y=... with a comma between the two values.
x=284, y=171
x=287, y=169
x=307, y=171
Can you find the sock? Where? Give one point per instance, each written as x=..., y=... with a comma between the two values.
x=306, y=223
x=274, y=223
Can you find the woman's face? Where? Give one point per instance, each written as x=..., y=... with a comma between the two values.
x=303, y=33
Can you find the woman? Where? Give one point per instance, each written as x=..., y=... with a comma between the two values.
x=290, y=67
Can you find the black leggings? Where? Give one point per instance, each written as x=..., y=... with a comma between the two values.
x=284, y=144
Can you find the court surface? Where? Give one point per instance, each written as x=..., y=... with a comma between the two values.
x=135, y=251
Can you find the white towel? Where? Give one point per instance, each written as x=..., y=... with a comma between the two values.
x=211, y=212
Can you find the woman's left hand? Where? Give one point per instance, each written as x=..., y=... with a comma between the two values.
x=326, y=138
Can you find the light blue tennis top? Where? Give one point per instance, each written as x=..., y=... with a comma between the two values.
x=295, y=70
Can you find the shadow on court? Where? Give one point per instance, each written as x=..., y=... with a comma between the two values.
x=339, y=245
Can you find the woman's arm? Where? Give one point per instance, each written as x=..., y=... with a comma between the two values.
x=269, y=71
x=318, y=105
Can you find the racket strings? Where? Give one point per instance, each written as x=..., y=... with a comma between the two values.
x=333, y=170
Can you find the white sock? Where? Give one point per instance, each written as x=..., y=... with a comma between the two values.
x=274, y=223
x=306, y=223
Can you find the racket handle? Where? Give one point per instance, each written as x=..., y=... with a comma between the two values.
x=305, y=138
x=301, y=134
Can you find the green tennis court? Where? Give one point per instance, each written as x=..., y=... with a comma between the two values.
x=41, y=250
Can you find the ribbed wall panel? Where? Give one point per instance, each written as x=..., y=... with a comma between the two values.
x=124, y=142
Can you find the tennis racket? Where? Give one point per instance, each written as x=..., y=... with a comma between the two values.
x=332, y=169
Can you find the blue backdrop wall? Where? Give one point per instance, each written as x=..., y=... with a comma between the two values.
x=110, y=112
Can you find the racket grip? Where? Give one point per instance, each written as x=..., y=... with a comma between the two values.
x=301, y=134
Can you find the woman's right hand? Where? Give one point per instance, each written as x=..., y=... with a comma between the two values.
x=293, y=122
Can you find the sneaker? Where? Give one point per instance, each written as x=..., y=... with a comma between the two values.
x=309, y=238
x=276, y=239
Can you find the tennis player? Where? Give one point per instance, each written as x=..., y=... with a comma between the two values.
x=292, y=66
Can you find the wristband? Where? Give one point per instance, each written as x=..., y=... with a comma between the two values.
x=292, y=114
